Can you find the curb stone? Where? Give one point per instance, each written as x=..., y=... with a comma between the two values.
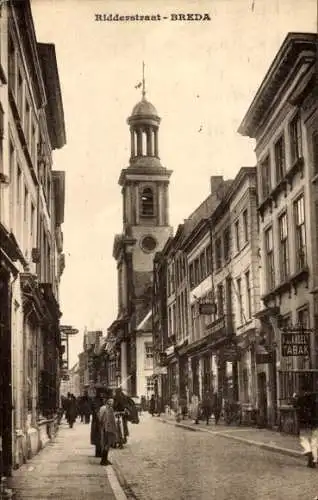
x=130, y=495
x=251, y=442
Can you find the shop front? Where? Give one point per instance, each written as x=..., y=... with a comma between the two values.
x=298, y=386
x=10, y=256
x=5, y=374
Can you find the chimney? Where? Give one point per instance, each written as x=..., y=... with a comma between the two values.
x=216, y=183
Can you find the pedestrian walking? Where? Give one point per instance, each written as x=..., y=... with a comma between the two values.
x=86, y=408
x=152, y=405
x=71, y=410
x=206, y=407
x=108, y=429
x=216, y=400
x=97, y=403
x=120, y=405
x=195, y=408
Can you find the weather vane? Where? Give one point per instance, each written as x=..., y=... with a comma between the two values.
x=143, y=81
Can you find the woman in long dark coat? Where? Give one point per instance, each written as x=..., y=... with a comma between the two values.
x=71, y=412
x=95, y=425
x=152, y=405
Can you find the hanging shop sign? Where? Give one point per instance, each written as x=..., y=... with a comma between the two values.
x=296, y=342
x=160, y=370
x=68, y=330
x=231, y=353
x=207, y=308
x=262, y=355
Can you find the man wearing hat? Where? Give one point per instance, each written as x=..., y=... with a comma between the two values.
x=101, y=393
x=108, y=428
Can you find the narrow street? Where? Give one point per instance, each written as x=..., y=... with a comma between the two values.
x=65, y=470
x=162, y=462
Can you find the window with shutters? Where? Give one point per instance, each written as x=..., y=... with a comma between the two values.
x=220, y=300
x=239, y=300
x=237, y=235
x=203, y=265
x=248, y=295
x=226, y=244
x=209, y=258
x=300, y=233
x=283, y=247
x=245, y=225
x=295, y=139
x=218, y=254
x=266, y=177
x=280, y=163
x=269, y=255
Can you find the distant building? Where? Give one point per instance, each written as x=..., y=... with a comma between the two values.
x=72, y=383
x=87, y=368
x=146, y=229
x=144, y=357
x=283, y=120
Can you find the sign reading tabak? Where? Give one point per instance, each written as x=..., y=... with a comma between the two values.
x=296, y=341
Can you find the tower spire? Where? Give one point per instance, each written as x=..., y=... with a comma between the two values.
x=143, y=81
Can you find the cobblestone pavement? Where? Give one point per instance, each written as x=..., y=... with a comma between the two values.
x=264, y=438
x=165, y=462
x=65, y=470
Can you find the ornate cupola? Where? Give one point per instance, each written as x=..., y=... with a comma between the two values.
x=144, y=125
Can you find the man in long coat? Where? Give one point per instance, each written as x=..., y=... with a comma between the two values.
x=108, y=429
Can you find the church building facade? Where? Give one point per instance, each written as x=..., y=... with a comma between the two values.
x=144, y=186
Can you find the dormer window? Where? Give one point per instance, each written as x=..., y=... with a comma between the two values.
x=147, y=202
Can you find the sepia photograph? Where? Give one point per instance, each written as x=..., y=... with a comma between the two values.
x=158, y=249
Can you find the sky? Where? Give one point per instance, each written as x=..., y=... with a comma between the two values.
x=201, y=77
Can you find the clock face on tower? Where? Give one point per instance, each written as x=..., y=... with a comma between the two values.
x=148, y=243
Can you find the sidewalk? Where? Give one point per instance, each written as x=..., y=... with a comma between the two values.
x=263, y=438
x=66, y=469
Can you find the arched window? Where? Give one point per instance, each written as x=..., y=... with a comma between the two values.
x=147, y=202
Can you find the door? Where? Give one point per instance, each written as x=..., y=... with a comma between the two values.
x=262, y=398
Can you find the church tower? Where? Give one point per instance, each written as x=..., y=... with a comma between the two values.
x=145, y=185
